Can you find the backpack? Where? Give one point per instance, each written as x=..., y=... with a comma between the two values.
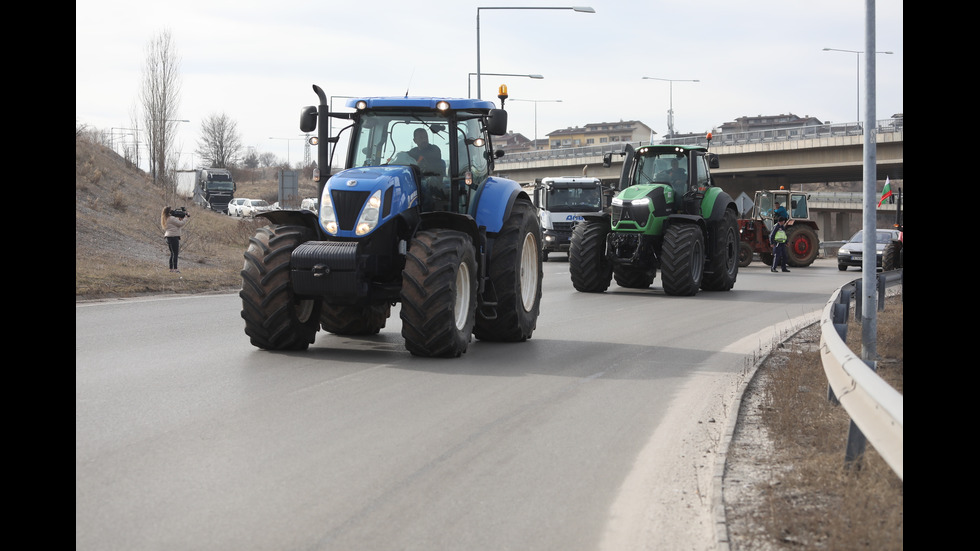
x=780, y=236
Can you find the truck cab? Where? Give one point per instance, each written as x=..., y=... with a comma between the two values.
x=561, y=203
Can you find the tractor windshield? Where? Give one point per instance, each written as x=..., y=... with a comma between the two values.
x=428, y=141
x=663, y=168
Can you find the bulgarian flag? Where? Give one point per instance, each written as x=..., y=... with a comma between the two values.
x=886, y=192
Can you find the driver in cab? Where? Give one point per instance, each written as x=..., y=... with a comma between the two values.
x=426, y=155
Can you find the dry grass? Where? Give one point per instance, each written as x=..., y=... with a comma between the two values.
x=119, y=245
x=810, y=498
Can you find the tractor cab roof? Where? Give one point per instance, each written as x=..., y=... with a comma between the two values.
x=665, y=148
x=417, y=102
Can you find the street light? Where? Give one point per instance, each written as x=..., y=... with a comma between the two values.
x=469, y=79
x=670, y=112
x=288, y=162
x=858, y=56
x=536, y=102
x=581, y=9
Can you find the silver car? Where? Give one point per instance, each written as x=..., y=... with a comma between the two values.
x=852, y=250
x=251, y=207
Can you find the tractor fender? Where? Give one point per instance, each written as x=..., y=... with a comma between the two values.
x=453, y=221
x=493, y=202
x=302, y=218
x=715, y=203
x=694, y=219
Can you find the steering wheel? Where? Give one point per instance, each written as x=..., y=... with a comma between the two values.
x=401, y=158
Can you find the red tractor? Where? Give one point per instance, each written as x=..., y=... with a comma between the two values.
x=802, y=245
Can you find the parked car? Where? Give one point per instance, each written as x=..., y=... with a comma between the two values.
x=852, y=250
x=251, y=207
x=310, y=204
x=235, y=206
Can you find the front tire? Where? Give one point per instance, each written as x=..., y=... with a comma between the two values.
x=275, y=319
x=438, y=294
x=682, y=265
x=591, y=271
x=745, y=253
x=515, y=272
x=723, y=264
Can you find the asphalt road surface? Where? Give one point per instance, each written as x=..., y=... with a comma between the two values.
x=597, y=433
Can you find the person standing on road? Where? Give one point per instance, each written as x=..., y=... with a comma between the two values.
x=777, y=238
x=172, y=225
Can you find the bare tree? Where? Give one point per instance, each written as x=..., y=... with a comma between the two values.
x=220, y=143
x=160, y=99
x=268, y=159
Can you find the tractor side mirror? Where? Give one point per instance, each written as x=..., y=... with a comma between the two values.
x=307, y=119
x=497, y=122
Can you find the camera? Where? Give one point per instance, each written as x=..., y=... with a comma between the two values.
x=179, y=213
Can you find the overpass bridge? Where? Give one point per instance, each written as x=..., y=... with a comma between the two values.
x=755, y=161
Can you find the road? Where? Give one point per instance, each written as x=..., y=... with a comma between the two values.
x=597, y=433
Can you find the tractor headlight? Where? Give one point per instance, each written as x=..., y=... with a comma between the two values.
x=328, y=218
x=617, y=202
x=641, y=201
x=370, y=215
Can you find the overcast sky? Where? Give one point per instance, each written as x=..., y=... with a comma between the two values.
x=257, y=61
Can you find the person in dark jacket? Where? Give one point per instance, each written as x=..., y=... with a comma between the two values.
x=777, y=238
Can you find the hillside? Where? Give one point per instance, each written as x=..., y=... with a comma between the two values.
x=119, y=245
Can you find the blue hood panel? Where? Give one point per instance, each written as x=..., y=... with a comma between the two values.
x=350, y=189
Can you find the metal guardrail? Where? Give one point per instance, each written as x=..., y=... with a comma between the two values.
x=719, y=139
x=876, y=409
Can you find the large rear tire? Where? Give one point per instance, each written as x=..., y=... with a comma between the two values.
x=275, y=319
x=682, y=263
x=723, y=265
x=802, y=246
x=438, y=294
x=354, y=320
x=891, y=257
x=591, y=271
x=515, y=271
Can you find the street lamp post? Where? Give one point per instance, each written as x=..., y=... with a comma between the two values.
x=581, y=9
x=536, y=102
x=469, y=79
x=670, y=112
x=288, y=161
x=857, y=55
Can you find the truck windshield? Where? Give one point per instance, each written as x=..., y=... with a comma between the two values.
x=221, y=186
x=573, y=199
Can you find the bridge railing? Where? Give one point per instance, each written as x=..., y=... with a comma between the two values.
x=719, y=139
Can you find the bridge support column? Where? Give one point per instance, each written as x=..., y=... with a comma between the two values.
x=843, y=228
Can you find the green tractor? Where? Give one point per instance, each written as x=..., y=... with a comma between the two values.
x=668, y=215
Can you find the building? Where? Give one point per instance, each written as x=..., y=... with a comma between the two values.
x=767, y=122
x=600, y=133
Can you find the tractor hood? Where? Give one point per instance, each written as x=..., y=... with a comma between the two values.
x=356, y=201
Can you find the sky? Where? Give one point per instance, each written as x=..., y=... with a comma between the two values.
x=256, y=61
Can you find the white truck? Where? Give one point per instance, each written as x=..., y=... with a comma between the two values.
x=562, y=202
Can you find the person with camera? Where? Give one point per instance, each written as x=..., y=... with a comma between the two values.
x=172, y=220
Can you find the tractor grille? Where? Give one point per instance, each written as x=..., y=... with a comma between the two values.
x=563, y=226
x=347, y=205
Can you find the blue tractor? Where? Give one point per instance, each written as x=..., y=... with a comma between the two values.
x=415, y=218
